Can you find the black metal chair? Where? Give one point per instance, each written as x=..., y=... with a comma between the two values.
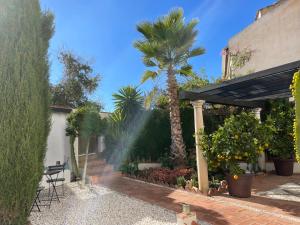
x=37, y=200
x=57, y=179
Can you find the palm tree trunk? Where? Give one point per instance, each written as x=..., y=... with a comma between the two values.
x=177, y=145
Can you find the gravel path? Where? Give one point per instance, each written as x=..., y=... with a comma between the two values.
x=101, y=206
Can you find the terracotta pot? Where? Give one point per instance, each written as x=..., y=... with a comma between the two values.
x=240, y=187
x=284, y=167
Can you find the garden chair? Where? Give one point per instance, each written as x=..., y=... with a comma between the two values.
x=37, y=200
x=57, y=179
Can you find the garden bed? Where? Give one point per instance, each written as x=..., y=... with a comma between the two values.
x=181, y=178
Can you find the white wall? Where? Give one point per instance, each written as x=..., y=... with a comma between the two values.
x=274, y=39
x=58, y=148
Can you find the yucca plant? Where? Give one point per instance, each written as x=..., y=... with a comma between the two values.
x=129, y=102
x=167, y=46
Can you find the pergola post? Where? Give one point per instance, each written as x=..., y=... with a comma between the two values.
x=201, y=161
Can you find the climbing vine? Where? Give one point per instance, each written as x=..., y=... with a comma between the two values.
x=238, y=59
x=295, y=87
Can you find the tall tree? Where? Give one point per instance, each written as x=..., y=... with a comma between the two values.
x=24, y=100
x=167, y=45
x=78, y=81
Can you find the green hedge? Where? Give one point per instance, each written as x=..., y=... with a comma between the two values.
x=153, y=140
x=24, y=123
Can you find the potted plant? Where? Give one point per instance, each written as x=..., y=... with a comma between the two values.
x=281, y=115
x=241, y=139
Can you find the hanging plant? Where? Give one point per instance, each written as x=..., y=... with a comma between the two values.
x=295, y=87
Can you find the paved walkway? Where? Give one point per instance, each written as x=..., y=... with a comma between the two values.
x=215, y=210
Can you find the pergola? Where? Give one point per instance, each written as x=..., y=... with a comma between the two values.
x=250, y=91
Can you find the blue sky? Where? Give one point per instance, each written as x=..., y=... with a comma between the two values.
x=103, y=32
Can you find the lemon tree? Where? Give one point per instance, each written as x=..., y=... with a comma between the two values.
x=241, y=139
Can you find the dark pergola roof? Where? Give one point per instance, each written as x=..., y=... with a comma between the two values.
x=248, y=91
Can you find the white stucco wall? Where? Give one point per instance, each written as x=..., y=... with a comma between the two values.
x=274, y=39
x=58, y=148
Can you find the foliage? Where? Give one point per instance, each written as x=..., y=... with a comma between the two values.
x=153, y=139
x=295, y=87
x=238, y=59
x=181, y=182
x=167, y=45
x=129, y=102
x=130, y=168
x=214, y=183
x=84, y=122
x=24, y=122
x=165, y=175
x=194, y=180
x=194, y=81
x=166, y=161
x=123, y=124
x=168, y=41
x=241, y=139
x=151, y=142
x=77, y=83
x=281, y=115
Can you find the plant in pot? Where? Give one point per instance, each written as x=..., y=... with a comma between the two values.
x=281, y=115
x=241, y=139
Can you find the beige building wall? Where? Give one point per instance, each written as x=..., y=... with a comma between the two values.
x=273, y=38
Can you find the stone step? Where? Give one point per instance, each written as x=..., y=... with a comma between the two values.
x=106, y=168
x=97, y=179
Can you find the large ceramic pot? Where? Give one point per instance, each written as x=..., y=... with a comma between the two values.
x=240, y=187
x=284, y=167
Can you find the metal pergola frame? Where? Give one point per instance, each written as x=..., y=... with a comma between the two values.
x=251, y=91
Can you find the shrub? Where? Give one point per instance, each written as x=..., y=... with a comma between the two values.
x=281, y=115
x=194, y=180
x=24, y=123
x=296, y=93
x=165, y=175
x=241, y=138
x=152, y=140
x=129, y=168
x=181, y=182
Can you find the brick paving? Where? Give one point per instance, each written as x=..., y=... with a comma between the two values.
x=214, y=210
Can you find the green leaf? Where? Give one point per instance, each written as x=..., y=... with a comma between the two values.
x=149, y=74
x=148, y=62
x=196, y=52
x=186, y=70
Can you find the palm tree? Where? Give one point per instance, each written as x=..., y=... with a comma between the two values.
x=167, y=46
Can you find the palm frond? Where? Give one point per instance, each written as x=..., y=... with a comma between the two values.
x=149, y=75
x=150, y=96
x=146, y=28
x=148, y=62
x=196, y=51
x=186, y=70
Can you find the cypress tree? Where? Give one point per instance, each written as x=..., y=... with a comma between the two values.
x=25, y=32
